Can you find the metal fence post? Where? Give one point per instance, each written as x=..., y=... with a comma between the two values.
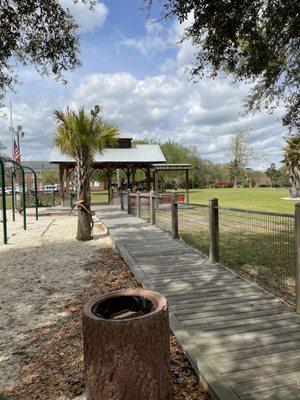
x=213, y=230
x=122, y=201
x=175, y=215
x=152, y=208
x=297, y=248
x=128, y=202
x=138, y=204
x=4, y=216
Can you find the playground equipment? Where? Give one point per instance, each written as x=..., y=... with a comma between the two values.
x=4, y=160
x=13, y=175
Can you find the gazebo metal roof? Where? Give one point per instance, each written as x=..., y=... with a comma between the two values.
x=137, y=154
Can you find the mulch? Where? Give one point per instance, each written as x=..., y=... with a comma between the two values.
x=50, y=357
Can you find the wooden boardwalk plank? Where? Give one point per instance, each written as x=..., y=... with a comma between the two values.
x=256, y=351
x=243, y=342
x=287, y=392
x=214, y=325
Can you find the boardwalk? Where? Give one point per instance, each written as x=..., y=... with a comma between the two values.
x=244, y=342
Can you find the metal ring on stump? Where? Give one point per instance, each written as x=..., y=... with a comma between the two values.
x=127, y=346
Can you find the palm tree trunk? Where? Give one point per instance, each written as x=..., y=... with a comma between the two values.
x=84, y=225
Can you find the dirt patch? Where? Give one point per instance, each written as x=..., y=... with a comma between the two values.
x=50, y=359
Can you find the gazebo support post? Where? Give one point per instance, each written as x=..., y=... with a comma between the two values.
x=133, y=171
x=187, y=192
x=61, y=184
x=67, y=191
x=148, y=178
x=128, y=178
x=109, y=185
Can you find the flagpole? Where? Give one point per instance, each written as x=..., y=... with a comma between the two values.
x=11, y=129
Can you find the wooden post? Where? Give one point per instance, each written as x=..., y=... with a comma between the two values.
x=133, y=172
x=138, y=204
x=213, y=230
x=122, y=200
x=148, y=178
x=128, y=202
x=174, y=215
x=128, y=178
x=109, y=185
x=152, y=208
x=67, y=191
x=297, y=247
x=61, y=184
x=187, y=192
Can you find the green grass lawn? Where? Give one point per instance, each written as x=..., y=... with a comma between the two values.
x=100, y=197
x=260, y=247
x=264, y=199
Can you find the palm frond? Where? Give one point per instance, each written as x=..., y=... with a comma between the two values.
x=79, y=134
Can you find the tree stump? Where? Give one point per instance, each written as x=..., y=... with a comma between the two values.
x=126, y=347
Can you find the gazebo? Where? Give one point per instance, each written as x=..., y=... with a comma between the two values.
x=126, y=156
x=171, y=167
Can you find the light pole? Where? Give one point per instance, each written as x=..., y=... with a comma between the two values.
x=20, y=134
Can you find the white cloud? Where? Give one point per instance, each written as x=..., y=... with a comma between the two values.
x=155, y=41
x=164, y=106
x=89, y=20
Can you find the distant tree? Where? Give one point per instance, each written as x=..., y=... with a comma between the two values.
x=2, y=147
x=273, y=173
x=292, y=161
x=203, y=174
x=40, y=33
x=99, y=175
x=240, y=154
x=254, y=41
x=80, y=136
x=50, y=177
x=283, y=179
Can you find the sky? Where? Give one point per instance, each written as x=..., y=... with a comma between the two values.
x=136, y=68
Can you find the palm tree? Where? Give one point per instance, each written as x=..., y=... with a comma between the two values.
x=292, y=161
x=81, y=136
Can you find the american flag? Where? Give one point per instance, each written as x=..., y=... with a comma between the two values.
x=17, y=154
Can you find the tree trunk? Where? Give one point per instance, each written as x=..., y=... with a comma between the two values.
x=235, y=182
x=84, y=226
x=127, y=359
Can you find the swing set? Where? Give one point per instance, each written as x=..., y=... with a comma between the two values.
x=17, y=166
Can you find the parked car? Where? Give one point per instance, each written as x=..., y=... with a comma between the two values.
x=51, y=188
x=8, y=191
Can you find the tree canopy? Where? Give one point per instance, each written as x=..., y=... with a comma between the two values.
x=254, y=40
x=37, y=32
